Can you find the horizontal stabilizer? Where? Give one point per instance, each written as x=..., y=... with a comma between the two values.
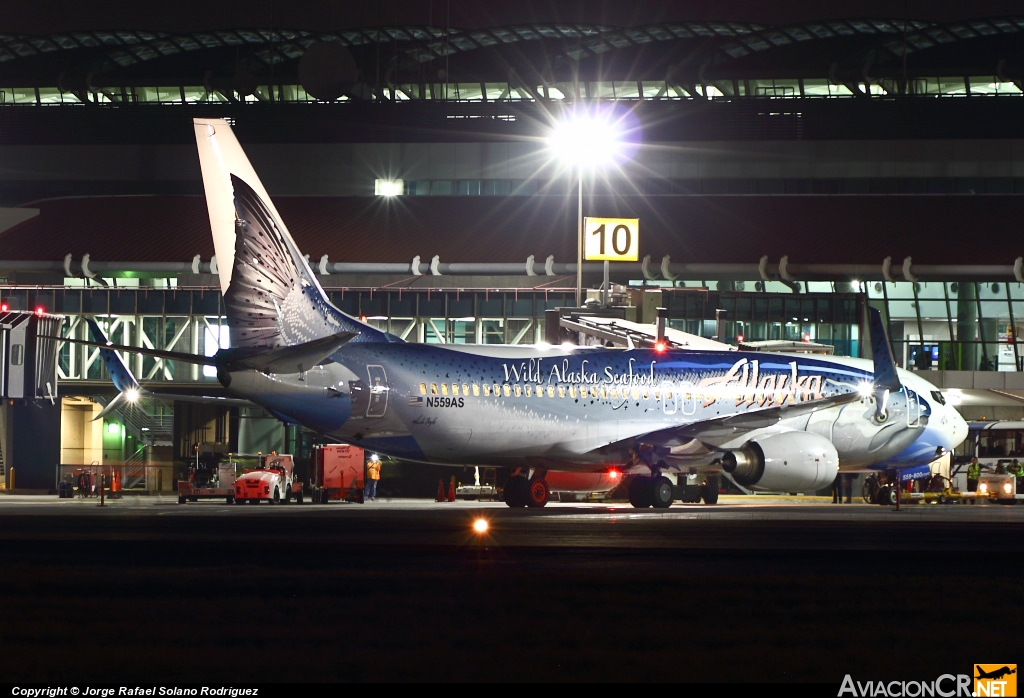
x=159, y=353
x=294, y=359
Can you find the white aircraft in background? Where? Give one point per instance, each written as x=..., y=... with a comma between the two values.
x=771, y=421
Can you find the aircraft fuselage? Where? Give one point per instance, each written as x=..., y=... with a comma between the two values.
x=432, y=403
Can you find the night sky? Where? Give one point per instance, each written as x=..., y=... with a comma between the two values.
x=51, y=16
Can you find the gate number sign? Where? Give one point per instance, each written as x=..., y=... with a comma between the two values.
x=611, y=239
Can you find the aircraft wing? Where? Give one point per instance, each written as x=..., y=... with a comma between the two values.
x=733, y=424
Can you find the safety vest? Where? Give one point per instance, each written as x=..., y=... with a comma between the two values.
x=974, y=470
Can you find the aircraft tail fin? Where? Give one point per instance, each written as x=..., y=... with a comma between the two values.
x=120, y=375
x=886, y=378
x=272, y=297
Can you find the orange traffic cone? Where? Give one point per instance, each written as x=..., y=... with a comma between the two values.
x=440, y=491
x=451, y=490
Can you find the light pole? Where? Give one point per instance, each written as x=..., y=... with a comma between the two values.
x=585, y=140
x=579, y=235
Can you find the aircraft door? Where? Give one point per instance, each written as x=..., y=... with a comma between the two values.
x=378, y=402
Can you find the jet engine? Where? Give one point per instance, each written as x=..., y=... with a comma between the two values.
x=792, y=461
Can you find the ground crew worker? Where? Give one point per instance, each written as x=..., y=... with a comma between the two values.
x=372, y=476
x=973, y=473
x=1017, y=470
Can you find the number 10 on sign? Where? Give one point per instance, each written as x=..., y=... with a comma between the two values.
x=611, y=239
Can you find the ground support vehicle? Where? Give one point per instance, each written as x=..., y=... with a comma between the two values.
x=336, y=473
x=484, y=486
x=271, y=480
x=212, y=476
x=696, y=487
x=1003, y=488
x=938, y=490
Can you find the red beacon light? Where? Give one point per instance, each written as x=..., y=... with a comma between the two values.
x=4, y=307
x=660, y=346
x=739, y=339
x=40, y=310
x=807, y=336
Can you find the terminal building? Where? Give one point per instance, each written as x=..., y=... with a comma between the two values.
x=782, y=178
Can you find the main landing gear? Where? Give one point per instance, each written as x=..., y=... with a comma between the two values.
x=523, y=491
x=657, y=491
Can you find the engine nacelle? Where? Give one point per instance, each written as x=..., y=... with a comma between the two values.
x=791, y=461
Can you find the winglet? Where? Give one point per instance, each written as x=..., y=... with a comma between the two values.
x=886, y=380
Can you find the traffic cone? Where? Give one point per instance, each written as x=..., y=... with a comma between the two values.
x=440, y=491
x=451, y=490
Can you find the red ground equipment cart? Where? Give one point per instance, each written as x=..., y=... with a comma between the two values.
x=336, y=473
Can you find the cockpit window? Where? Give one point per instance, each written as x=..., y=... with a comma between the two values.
x=937, y=396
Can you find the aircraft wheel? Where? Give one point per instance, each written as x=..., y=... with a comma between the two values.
x=538, y=493
x=709, y=491
x=517, y=491
x=641, y=493
x=661, y=492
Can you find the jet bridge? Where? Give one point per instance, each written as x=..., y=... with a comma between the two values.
x=590, y=328
x=28, y=354
x=600, y=329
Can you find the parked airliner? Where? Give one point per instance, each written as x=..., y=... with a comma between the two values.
x=771, y=421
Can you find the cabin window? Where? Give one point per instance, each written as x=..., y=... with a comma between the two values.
x=423, y=388
x=476, y=389
x=507, y=389
x=444, y=388
x=455, y=388
x=487, y=389
x=465, y=388
x=529, y=390
x=433, y=388
x=551, y=391
x=636, y=393
x=572, y=391
x=519, y=390
x=561, y=391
